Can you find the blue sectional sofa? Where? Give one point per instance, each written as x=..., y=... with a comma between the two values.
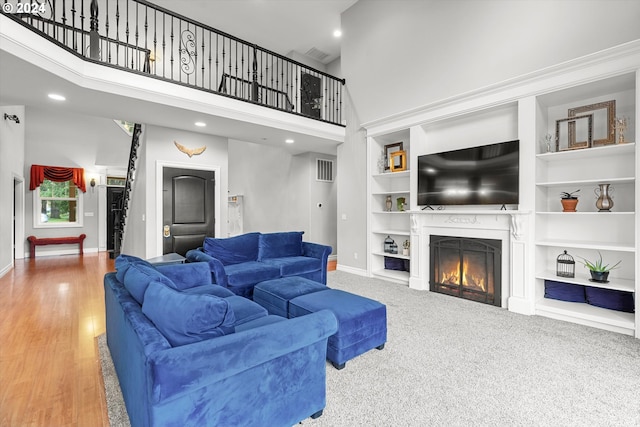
x=239, y=263
x=189, y=353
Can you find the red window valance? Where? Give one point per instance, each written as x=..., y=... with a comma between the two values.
x=58, y=174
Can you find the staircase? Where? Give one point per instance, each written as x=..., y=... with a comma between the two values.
x=122, y=210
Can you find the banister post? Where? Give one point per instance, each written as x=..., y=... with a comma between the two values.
x=94, y=37
x=254, y=83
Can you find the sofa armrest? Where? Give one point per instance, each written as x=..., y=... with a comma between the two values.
x=322, y=252
x=184, y=369
x=218, y=275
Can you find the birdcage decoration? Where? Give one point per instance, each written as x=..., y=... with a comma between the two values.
x=565, y=265
x=388, y=245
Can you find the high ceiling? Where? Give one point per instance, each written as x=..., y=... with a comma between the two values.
x=281, y=26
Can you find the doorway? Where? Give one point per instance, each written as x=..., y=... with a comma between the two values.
x=114, y=201
x=18, y=218
x=188, y=208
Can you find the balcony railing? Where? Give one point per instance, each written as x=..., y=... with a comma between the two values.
x=140, y=37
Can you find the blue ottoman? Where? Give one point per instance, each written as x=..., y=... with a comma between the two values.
x=274, y=295
x=362, y=322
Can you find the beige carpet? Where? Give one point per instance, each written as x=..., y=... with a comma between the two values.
x=451, y=362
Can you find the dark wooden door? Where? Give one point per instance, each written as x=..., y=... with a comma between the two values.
x=188, y=209
x=114, y=201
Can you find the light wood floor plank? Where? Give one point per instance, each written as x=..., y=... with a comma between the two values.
x=52, y=310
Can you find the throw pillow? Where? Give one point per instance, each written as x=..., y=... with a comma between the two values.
x=280, y=245
x=123, y=262
x=137, y=279
x=233, y=250
x=187, y=318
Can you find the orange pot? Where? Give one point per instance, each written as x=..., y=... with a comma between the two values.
x=569, y=205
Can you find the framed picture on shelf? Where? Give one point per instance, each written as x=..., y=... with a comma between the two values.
x=579, y=137
x=604, y=116
x=398, y=161
x=388, y=150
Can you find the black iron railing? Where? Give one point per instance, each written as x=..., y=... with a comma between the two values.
x=140, y=37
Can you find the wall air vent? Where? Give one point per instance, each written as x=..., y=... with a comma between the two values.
x=324, y=170
x=317, y=54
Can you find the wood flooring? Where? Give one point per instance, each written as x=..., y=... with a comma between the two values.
x=51, y=311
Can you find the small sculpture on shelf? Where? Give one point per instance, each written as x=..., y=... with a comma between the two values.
x=405, y=248
x=621, y=124
x=569, y=201
x=400, y=203
x=548, y=140
x=388, y=204
x=389, y=243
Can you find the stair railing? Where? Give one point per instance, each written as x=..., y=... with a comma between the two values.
x=140, y=37
x=121, y=212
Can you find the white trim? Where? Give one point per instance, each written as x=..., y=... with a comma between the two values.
x=160, y=164
x=18, y=232
x=352, y=270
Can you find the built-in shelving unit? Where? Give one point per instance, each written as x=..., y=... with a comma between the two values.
x=382, y=222
x=587, y=232
x=528, y=109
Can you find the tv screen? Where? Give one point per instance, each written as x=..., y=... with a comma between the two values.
x=485, y=175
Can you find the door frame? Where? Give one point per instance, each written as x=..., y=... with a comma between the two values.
x=17, y=229
x=160, y=165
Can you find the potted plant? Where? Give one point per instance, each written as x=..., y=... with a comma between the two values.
x=598, y=269
x=569, y=201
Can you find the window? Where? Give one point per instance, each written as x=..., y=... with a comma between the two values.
x=57, y=204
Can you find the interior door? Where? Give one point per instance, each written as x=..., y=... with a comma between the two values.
x=114, y=197
x=311, y=95
x=188, y=209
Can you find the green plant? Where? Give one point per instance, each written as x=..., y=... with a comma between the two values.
x=571, y=195
x=599, y=265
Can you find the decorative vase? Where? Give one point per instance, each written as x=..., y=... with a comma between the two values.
x=604, y=202
x=400, y=203
x=599, y=276
x=569, y=205
x=388, y=203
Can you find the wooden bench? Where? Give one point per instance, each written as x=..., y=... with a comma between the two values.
x=35, y=241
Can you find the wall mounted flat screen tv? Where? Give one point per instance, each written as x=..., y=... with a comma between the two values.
x=484, y=175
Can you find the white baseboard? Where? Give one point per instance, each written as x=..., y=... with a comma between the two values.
x=42, y=253
x=352, y=270
x=6, y=269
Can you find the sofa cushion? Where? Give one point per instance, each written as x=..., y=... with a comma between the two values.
x=187, y=275
x=279, y=245
x=293, y=266
x=233, y=250
x=123, y=262
x=187, y=318
x=137, y=279
x=250, y=273
x=245, y=310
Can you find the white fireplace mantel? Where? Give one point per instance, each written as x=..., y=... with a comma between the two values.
x=509, y=226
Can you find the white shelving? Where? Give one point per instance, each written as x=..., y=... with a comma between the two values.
x=527, y=109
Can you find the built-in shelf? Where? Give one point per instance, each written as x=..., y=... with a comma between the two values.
x=388, y=193
x=605, y=214
x=394, y=175
x=596, y=245
x=587, y=314
x=626, y=285
x=624, y=180
x=399, y=256
x=392, y=232
x=391, y=212
x=589, y=153
x=402, y=276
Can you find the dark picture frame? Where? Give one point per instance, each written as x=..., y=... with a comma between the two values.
x=571, y=131
x=388, y=150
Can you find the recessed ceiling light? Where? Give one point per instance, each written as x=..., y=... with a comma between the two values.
x=289, y=141
x=200, y=124
x=337, y=33
x=57, y=97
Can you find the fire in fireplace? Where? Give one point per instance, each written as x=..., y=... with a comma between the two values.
x=468, y=268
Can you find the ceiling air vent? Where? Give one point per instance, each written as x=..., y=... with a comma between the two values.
x=316, y=54
x=324, y=170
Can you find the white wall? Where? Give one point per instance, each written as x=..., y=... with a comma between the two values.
x=12, y=141
x=403, y=54
x=59, y=138
x=144, y=224
x=280, y=192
